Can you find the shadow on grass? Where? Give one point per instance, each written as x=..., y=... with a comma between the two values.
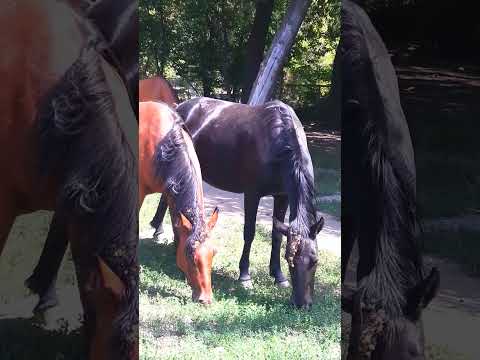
x=161, y=258
x=23, y=339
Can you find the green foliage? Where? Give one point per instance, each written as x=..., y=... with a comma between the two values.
x=201, y=44
x=307, y=73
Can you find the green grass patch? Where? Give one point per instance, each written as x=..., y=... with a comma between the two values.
x=240, y=324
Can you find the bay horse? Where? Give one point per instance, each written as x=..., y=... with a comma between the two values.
x=116, y=22
x=169, y=165
x=379, y=202
x=64, y=149
x=158, y=89
x=261, y=151
x=43, y=278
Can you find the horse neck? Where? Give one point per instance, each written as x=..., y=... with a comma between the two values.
x=196, y=178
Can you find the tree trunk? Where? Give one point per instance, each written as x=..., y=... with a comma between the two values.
x=278, y=53
x=256, y=45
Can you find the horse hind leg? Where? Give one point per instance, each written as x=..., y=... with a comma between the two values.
x=251, y=202
x=44, y=276
x=157, y=221
x=280, y=206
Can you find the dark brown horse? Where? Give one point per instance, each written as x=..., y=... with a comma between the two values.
x=261, y=151
x=63, y=149
x=169, y=165
x=158, y=89
x=379, y=202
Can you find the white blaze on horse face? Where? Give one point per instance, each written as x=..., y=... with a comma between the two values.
x=211, y=114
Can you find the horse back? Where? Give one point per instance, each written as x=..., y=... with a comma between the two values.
x=236, y=144
x=44, y=40
x=156, y=121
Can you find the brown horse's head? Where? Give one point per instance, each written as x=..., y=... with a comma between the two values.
x=197, y=266
x=106, y=292
x=376, y=336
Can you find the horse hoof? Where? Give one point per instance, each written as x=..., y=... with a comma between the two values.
x=282, y=284
x=43, y=306
x=246, y=284
x=157, y=234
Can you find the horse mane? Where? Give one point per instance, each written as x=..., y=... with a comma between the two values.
x=397, y=266
x=290, y=149
x=82, y=144
x=173, y=164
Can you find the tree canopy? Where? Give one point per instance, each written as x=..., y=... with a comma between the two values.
x=201, y=46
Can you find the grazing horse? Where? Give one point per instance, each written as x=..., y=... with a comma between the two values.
x=261, y=151
x=43, y=279
x=169, y=164
x=157, y=89
x=379, y=202
x=64, y=149
x=116, y=21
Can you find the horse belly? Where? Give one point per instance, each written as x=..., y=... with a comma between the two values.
x=228, y=169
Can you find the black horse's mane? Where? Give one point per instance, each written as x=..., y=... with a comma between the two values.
x=82, y=144
x=291, y=151
x=397, y=260
x=173, y=164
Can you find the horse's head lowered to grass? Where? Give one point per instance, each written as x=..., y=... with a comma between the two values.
x=196, y=260
x=376, y=334
x=301, y=255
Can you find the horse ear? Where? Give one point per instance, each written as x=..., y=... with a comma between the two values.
x=213, y=219
x=423, y=293
x=185, y=222
x=280, y=226
x=110, y=280
x=316, y=228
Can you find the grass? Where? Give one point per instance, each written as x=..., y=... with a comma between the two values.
x=240, y=324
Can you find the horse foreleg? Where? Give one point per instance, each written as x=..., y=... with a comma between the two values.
x=157, y=221
x=43, y=279
x=251, y=206
x=280, y=206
